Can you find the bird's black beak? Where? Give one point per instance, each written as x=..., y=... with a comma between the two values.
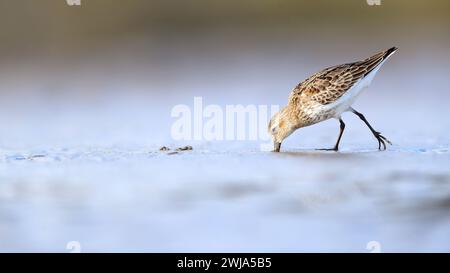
x=276, y=147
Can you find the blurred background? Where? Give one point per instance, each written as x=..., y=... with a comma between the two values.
x=85, y=99
x=57, y=58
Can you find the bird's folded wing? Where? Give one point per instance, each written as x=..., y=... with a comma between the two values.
x=330, y=84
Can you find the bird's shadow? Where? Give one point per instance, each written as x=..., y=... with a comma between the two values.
x=345, y=153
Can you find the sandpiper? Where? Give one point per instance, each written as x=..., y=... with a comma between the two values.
x=327, y=94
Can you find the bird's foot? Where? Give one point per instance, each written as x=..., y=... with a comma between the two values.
x=381, y=140
x=335, y=149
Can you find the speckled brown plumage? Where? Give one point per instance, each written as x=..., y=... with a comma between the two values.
x=331, y=83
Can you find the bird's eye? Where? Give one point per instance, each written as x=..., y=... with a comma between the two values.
x=274, y=129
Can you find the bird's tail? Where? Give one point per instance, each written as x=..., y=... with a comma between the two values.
x=389, y=52
x=378, y=58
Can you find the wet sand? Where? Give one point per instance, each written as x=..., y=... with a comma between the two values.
x=217, y=198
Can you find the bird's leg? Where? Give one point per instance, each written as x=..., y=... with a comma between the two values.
x=381, y=139
x=336, y=147
x=342, y=128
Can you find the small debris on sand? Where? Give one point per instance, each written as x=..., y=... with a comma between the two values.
x=185, y=148
x=31, y=157
x=180, y=149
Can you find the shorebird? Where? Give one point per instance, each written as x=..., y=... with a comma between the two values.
x=327, y=94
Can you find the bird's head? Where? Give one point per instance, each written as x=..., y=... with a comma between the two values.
x=280, y=127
